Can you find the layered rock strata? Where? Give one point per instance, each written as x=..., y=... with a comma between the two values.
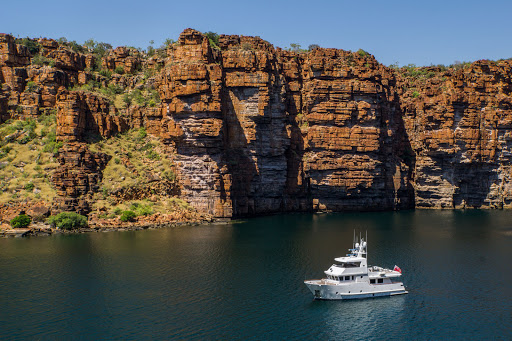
x=459, y=124
x=255, y=129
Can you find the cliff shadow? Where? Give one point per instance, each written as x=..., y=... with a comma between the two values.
x=240, y=165
x=402, y=157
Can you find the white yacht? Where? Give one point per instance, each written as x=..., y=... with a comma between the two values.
x=350, y=277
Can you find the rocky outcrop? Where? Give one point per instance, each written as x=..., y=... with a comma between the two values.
x=12, y=54
x=86, y=116
x=192, y=119
x=122, y=57
x=77, y=178
x=459, y=124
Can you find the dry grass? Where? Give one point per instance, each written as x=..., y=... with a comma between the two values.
x=137, y=158
x=25, y=169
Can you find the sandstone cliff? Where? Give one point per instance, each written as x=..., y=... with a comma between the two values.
x=254, y=129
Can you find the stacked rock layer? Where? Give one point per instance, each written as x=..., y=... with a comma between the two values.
x=255, y=129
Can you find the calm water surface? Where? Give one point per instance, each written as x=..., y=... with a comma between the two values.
x=245, y=280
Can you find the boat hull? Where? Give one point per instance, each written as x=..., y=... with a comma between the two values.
x=325, y=291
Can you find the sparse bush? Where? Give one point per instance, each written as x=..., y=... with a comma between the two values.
x=105, y=73
x=118, y=211
x=141, y=209
x=50, y=143
x=362, y=53
x=127, y=99
x=142, y=133
x=68, y=221
x=48, y=118
x=119, y=70
x=41, y=60
x=313, y=47
x=31, y=87
x=415, y=94
x=169, y=175
x=246, y=46
x=296, y=48
x=29, y=187
x=33, y=46
x=151, y=154
x=128, y=216
x=20, y=221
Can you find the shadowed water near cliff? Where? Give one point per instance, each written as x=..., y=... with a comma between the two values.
x=245, y=280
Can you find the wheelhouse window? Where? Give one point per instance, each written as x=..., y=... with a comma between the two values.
x=350, y=265
x=372, y=281
x=380, y=280
x=347, y=278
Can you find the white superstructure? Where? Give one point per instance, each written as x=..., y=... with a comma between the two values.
x=351, y=277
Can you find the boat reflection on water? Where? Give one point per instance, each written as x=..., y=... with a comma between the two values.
x=359, y=319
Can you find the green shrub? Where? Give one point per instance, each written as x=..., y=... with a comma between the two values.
x=41, y=60
x=213, y=38
x=31, y=87
x=128, y=216
x=68, y=221
x=33, y=46
x=118, y=211
x=142, y=133
x=415, y=94
x=169, y=175
x=105, y=73
x=140, y=209
x=29, y=187
x=20, y=221
x=362, y=53
x=48, y=118
x=119, y=70
x=151, y=154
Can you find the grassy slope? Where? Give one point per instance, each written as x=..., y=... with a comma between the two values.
x=137, y=159
x=26, y=163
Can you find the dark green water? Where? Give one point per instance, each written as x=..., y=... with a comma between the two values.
x=244, y=281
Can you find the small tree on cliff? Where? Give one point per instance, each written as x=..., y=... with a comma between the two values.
x=213, y=37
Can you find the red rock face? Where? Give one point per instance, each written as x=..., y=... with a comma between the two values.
x=459, y=126
x=124, y=58
x=259, y=130
x=77, y=178
x=12, y=54
x=81, y=115
x=354, y=140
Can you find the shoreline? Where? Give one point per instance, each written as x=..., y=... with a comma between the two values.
x=40, y=229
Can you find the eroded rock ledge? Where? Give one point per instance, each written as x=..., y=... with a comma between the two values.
x=255, y=129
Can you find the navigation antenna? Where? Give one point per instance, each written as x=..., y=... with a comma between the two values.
x=366, y=240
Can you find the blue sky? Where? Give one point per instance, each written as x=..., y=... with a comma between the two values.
x=423, y=33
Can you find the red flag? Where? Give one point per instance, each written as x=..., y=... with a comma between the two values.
x=396, y=268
